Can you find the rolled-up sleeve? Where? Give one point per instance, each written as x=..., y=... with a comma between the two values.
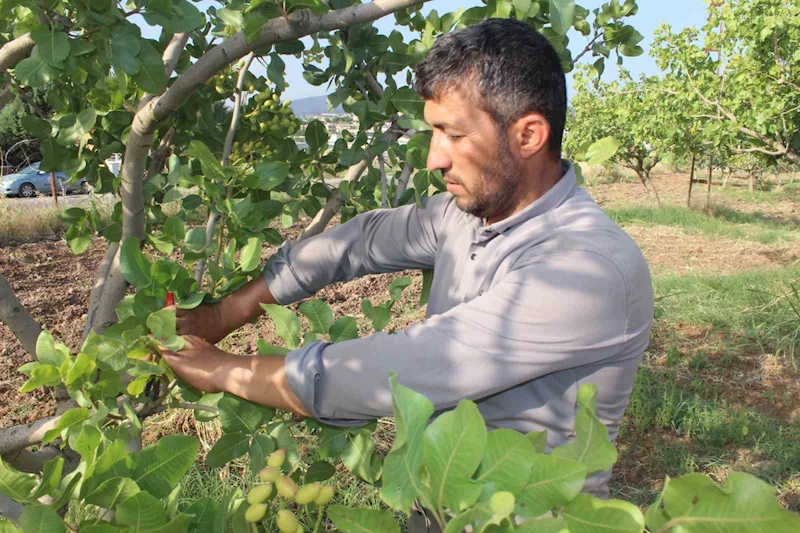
x=547, y=314
x=380, y=241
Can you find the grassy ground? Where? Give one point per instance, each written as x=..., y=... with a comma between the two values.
x=719, y=221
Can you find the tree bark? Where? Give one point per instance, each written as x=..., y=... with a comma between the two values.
x=402, y=184
x=15, y=51
x=100, y=279
x=14, y=315
x=19, y=437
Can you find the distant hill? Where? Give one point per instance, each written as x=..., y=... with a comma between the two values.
x=313, y=105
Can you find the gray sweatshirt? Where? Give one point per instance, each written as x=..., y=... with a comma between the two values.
x=521, y=313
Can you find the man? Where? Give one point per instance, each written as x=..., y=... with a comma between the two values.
x=535, y=290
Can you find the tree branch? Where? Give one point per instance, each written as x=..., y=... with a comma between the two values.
x=402, y=184
x=19, y=437
x=213, y=216
x=99, y=284
x=294, y=26
x=14, y=51
x=588, y=47
x=14, y=315
x=160, y=155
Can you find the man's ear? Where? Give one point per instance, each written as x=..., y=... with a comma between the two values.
x=530, y=134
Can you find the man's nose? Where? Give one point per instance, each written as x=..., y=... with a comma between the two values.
x=438, y=159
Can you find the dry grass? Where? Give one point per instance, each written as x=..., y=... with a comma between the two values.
x=20, y=224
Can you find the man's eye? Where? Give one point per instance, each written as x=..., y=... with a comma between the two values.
x=454, y=137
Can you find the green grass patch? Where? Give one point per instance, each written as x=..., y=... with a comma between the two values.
x=790, y=191
x=720, y=222
x=20, y=224
x=699, y=433
x=762, y=308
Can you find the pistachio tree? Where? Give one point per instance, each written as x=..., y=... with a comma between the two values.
x=738, y=74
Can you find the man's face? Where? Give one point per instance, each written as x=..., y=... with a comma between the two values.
x=473, y=155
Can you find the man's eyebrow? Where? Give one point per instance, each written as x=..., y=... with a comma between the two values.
x=444, y=124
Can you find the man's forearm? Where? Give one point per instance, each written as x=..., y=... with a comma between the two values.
x=260, y=379
x=244, y=305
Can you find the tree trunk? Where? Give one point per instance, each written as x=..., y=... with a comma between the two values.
x=651, y=188
x=691, y=181
x=752, y=180
x=53, y=190
x=14, y=315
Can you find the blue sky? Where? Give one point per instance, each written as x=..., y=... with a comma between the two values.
x=677, y=13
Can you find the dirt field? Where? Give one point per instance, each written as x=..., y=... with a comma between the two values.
x=55, y=286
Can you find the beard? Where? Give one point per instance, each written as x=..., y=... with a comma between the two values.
x=495, y=189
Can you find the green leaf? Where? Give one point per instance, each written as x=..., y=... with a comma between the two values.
x=251, y=254
x=401, y=469
x=590, y=445
x=362, y=520
x=231, y=17
x=42, y=376
x=124, y=49
x=46, y=350
x=397, y=287
x=408, y=102
x=53, y=46
x=135, y=268
x=265, y=348
x=152, y=76
x=37, y=127
x=319, y=314
x=229, y=447
x=35, y=71
x=211, y=166
x=162, y=324
x=15, y=485
x=41, y=519
x=112, y=492
x=427, y=283
x=602, y=150
x=359, y=456
x=271, y=174
x=562, y=14
x=107, y=352
x=452, y=450
x=260, y=448
x=344, y=329
x=586, y=514
x=253, y=24
x=191, y=301
x=142, y=512
x=543, y=525
x=493, y=511
x=192, y=202
x=7, y=527
x=83, y=367
x=241, y=416
x=507, y=462
x=379, y=316
x=554, y=481
x=204, y=512
x=51, y=477
x=161, y=465
x=744, y=504
x=67, y=420
x=287, y=325
x=316, y=135
x=174, y=229
x=320, y=471
x=196, y=239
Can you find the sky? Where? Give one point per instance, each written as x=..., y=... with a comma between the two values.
x=677, y=13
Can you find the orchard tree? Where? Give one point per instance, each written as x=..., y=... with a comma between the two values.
x=629, y=111
x=739, y=74
x=158, y=102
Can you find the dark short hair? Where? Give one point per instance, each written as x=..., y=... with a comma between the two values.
x=513, y=67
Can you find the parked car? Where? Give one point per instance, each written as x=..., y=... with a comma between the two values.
x=30, y=181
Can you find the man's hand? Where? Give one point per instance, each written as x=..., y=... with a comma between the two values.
x=260, y=379
x=198, y=363
x=205, y=321
x=213, y=322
